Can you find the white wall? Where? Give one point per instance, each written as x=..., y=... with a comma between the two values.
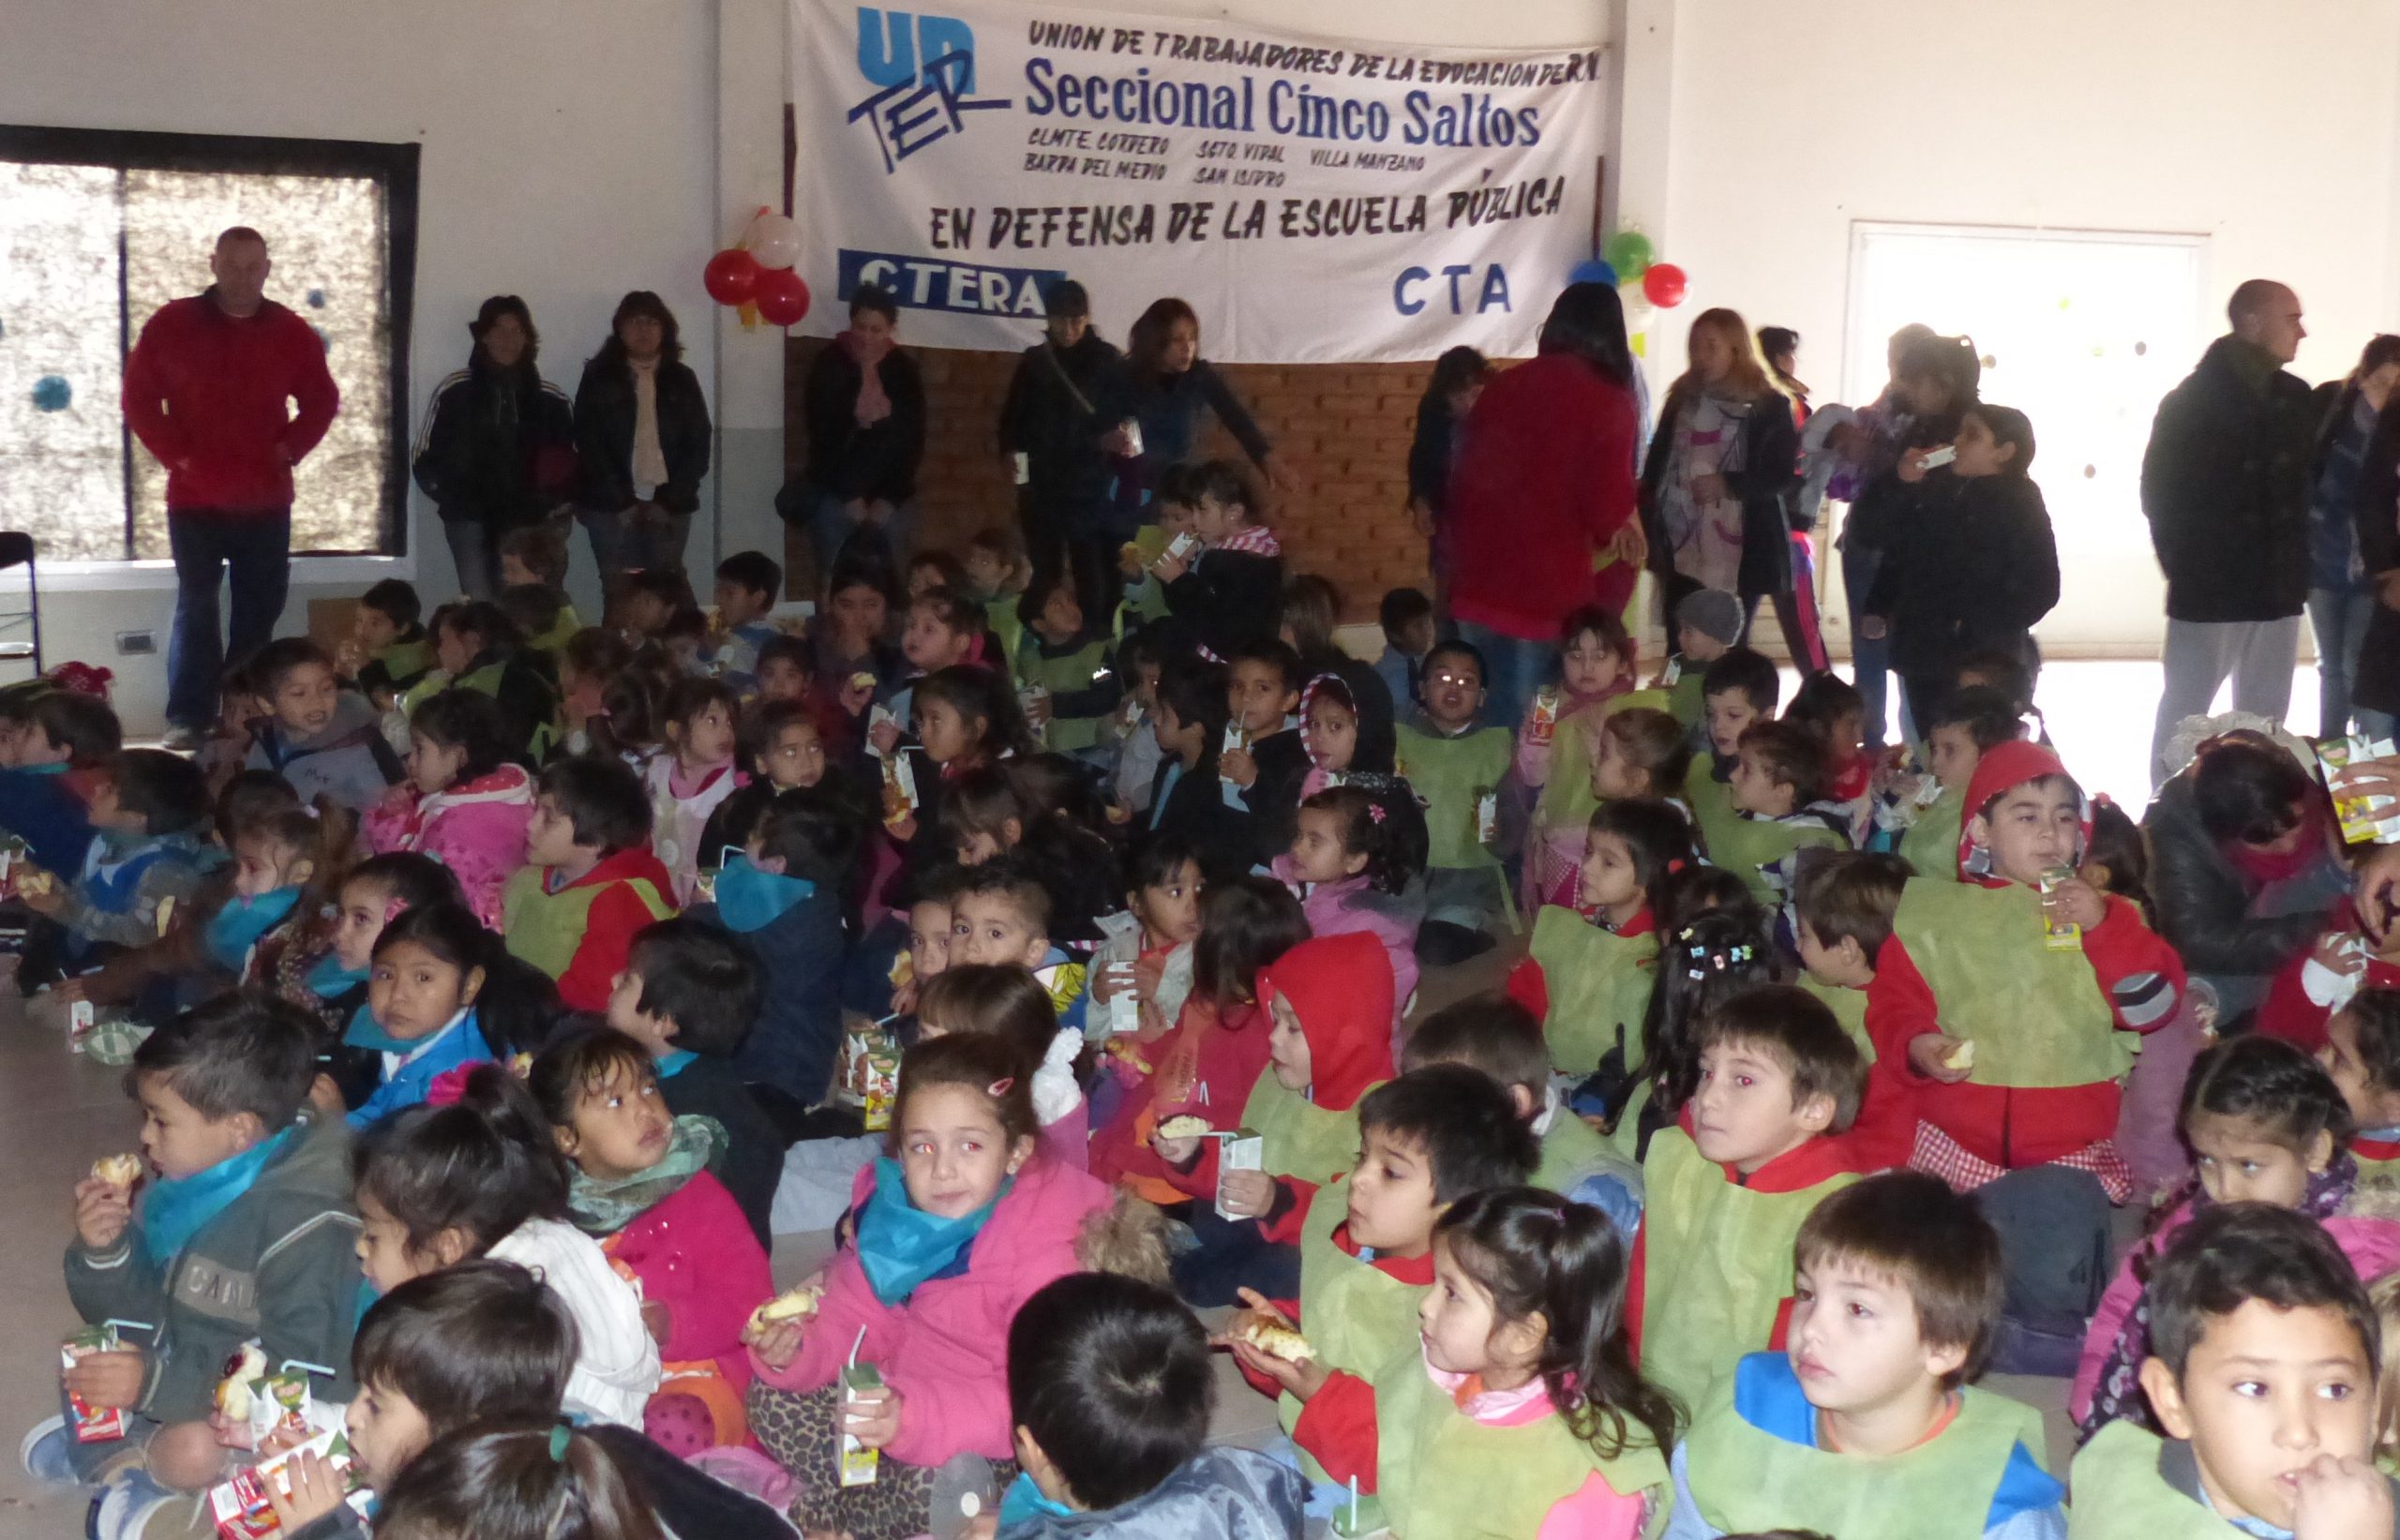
x=569, y=155
x=2270, y=131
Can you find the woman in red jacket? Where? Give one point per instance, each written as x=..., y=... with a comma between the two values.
x=1542, y=499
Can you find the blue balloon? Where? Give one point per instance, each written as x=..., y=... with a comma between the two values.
x=315, y=299
x=52, y=393
x=1593, y=270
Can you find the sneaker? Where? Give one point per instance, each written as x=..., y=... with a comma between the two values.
x=125, y=1506
x=44, y=1453
x=181, y=740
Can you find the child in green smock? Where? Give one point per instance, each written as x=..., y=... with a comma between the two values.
x=1457, y=765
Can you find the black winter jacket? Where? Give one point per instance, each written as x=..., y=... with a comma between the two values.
x=1770, y=473
x=604, y=435
x=846, y=460
x=2225, y=485
x=1052, y=416
x=2233, y=939
x=1229, y=600
x=1972, y=565
x=497, y=446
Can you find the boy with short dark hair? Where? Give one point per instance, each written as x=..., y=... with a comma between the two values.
x=1456, y=765
x=748, y=583
x=689, y=994
x=394, y=651
x=248, y=1231
x=63, y=730
x=1777, y=790
x=1406, y=616
x=1842, y=905
x=589, y=880
x=1711, y=1276
x=1186, y=798
x=1262, y=761
x=1231, y=594
x=1000, y=914
x=1060, y=651
x=1738, y=690
x=148, y=809
x=1502, y=1039
x=1865, y=1425
x=1425, y=1141
x=1110, y=1391
x=1929, y=811
x=2264, y=1348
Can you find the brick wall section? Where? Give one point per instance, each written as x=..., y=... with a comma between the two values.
x=1342, y=428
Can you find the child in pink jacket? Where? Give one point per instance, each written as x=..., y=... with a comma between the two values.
x=2266, y=1124
x=464, y=803
x=1358, y=863
x=949, y=1235
x=642, y=1188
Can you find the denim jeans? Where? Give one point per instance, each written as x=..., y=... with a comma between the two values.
x=255, y=543
x=1513, y=669
x=2339, y=618
x=472, y=552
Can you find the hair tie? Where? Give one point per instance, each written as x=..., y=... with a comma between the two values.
x=1674, y=864
x=1000, y=1087
x=560, y=1433
x=1374, y=813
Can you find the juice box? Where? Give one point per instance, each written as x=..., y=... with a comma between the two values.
x=2059, y=935
x=1244, y=1151
x=93, y=1425
x=240, y=1508
x=2364, y=820
x=1487, y=816
x=857, y=1460
x=871, y=1068
x=1541, y=722
x=80, y=1018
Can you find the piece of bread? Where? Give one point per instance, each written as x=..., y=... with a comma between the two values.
x=862, y=680
x=796, y=1305
x=1275, y=1339
x=118, y=1170
x=1183, y=1126
x=234, y=1393
x=1960, y=1057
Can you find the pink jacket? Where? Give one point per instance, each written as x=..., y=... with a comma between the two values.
x=476, y=830
x=945, y=1350
x=1337, y=909
x=2372, y=1245
x=697, y=1255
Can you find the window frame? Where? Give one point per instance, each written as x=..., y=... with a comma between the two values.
x=392, y=165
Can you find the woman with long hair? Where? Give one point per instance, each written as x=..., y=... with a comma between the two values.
x=642, y=436
x=1541, y=515
x=497, y=451
x=2356, y=448
x=1724, y=460
x=1150, y=406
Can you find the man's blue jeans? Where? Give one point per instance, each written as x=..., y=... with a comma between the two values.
x=255, y=543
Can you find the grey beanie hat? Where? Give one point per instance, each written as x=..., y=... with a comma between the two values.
x=1712, y=612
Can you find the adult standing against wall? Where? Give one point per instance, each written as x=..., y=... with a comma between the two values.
x=496, y=451
x=1152, y=406
x=1543, y=492
x=863, y=404
x=1720, y=471
x=1050, y=429
x=211, y=388
x=2351, y=507
x=1459, y=377
x=2225, y=487
x=1869, y=447
x=642, y=440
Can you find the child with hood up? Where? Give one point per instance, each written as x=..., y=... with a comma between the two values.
x=1330, y=1002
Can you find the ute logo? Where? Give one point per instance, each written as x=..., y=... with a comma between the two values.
x=923, y=67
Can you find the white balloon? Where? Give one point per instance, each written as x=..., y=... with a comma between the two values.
x=774, y=239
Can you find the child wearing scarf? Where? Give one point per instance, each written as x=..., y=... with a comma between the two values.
x=641, y=1186
x=2267, y=1125
x=952, y=1232
x=274, y=932
x=429, y=967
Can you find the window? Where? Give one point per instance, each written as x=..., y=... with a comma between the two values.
x=99, y=229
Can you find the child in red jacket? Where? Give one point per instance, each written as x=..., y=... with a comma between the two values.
x=641, y=1186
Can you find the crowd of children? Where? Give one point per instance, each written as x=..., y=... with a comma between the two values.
x=495, y=989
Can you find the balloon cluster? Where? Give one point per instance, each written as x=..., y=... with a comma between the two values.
x=1626, y=262
x=755, y=274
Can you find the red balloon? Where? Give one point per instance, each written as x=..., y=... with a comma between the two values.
x=1665, y=284
x=781, y=297
x=731, y=277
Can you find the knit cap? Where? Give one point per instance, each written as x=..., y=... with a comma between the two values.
x=1712, y=612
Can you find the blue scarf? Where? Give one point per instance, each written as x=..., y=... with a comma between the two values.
x=673, y=1061
x=752, y=900
x=900, y=1246
x=234, y=929
x=1023, y=1502
x=329, y=980
x=177, y=1207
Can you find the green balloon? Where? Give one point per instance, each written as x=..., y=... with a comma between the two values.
x=1628, y=251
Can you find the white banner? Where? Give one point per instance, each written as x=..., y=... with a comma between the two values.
x=1317, y=200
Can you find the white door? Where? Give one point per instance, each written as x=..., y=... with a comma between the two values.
x=2082, y=331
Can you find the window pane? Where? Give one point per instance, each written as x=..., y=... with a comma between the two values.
x=326, y=237
x=62, y=460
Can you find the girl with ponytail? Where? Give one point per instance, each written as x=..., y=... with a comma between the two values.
x=1526, y=1369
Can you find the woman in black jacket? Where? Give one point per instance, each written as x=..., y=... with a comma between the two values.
x=1050, y=431
x=1974, y=563
x=1723, y=461
x=497, y=449
x=863, y=404
x=642, y=436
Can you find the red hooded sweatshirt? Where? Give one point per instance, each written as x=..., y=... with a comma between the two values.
x=2140, y=974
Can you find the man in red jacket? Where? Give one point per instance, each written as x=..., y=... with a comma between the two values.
x=208, y=389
